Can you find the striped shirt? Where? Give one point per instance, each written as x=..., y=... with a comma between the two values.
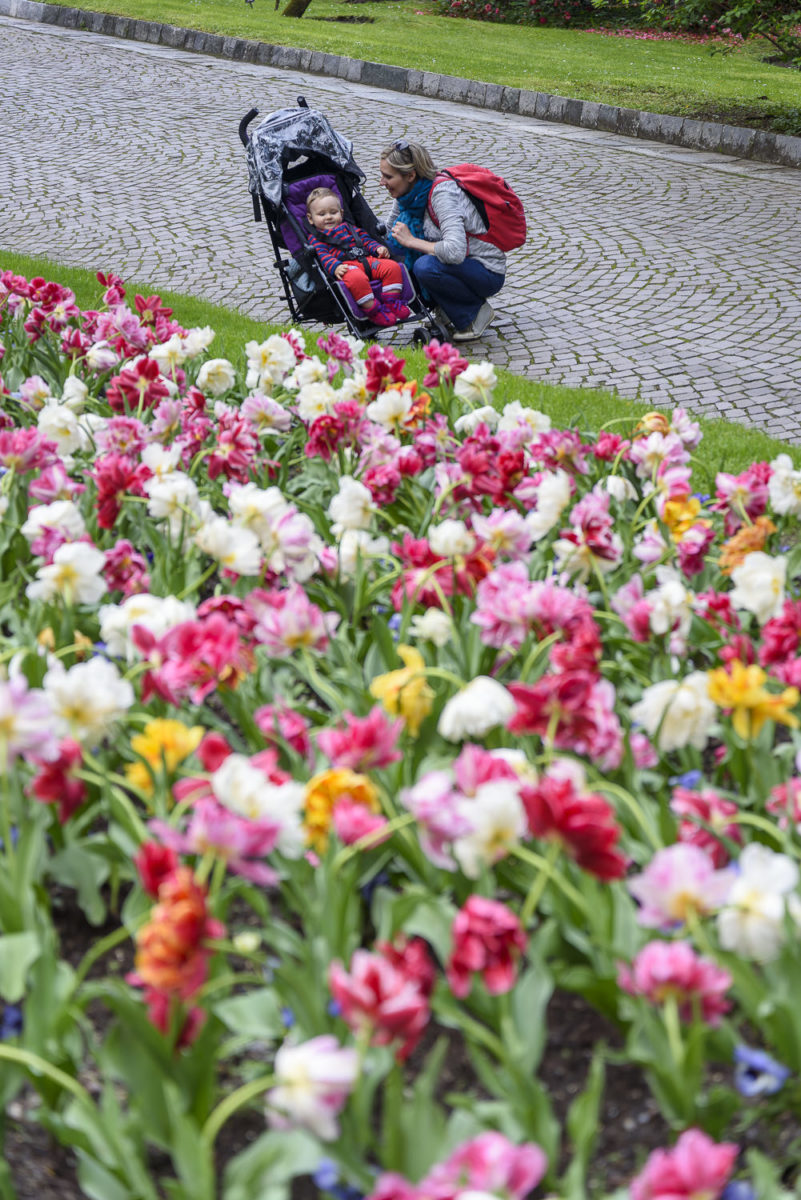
x=331, y=256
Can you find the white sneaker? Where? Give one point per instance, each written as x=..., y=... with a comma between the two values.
x=482, y=321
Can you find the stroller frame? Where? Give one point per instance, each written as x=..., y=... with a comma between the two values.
x=329, y=302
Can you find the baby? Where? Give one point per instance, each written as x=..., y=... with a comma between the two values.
x=349, y=254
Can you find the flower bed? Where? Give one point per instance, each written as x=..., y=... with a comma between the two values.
x=362, y=707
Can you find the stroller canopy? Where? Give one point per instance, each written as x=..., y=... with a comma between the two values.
x=287, y=135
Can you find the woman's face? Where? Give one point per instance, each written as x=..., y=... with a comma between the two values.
x=397, y=183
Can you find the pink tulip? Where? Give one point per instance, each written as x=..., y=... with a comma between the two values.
x=354, y=821
x=695, y=1169
x=364, y=743
x=487, y=939
x=665, y=969
x=381, y=997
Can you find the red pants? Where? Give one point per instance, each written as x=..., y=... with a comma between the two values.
x=385, y=270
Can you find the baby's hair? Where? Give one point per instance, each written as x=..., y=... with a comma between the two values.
x=319, y=194
x=408, y=157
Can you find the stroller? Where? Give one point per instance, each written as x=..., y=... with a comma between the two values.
x=292, y=151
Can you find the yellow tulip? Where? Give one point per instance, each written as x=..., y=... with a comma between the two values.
x=162, y=742
x=740, y=688
x=322, y=793
x=405, y=692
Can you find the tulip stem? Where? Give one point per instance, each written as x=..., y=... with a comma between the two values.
x=97, y=951
x=539, y=885
x=536, y=860
x=442, y=673
x=538, y=649
x=371, y=839
x=604, y=785
x=670, y=1012
x=479, y=1032
x=5, y=803
x=198, y=583
x=227, y=1107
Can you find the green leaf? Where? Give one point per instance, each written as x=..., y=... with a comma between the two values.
x=765, y=1177
x=78, y=868
x=582, y=1126
x=529, y=1002
x=266, y=1169
x=423, y=1120
x=716, y=1109
x=18, y=952
x=432, y=919
x=98, y=1183
x=190, y=1153
x=256, y=1015
x=7, y=1191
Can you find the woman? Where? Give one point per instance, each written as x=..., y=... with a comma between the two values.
x=446, y=257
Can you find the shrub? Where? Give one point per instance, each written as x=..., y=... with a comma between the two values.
x=777, y=21
x=564, y=13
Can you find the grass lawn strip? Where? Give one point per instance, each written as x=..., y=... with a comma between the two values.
x=727, y=446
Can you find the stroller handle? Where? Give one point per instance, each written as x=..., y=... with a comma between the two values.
x=243, y=125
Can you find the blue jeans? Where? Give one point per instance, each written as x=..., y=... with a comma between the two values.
x=458, y=288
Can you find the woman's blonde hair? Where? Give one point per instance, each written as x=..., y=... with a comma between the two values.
x=407, y=157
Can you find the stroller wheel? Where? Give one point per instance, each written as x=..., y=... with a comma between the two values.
x=426, y=333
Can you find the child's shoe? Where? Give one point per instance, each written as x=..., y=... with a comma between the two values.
x=401, y=310
x=381, y=315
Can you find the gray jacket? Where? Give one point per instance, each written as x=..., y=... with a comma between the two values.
x=458, y=222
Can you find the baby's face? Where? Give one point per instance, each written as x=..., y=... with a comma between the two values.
x=325, y=213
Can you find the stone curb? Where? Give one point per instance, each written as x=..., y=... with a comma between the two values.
x=631, y=122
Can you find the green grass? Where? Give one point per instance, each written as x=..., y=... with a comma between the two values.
x=725, y=446
x=668, y=77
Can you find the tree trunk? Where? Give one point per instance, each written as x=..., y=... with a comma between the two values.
x=296, y=8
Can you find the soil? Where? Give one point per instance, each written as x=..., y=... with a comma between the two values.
x=630, y=1125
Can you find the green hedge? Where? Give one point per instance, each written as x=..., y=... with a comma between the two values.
x=776, y=21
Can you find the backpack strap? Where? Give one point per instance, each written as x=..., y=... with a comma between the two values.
x=440, y=177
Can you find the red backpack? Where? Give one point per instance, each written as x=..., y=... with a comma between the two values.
x=499, y=207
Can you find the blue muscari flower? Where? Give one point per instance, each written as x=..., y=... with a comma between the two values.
x=738, y=1190
x=326, y=1176
x=756, y=1073
x=702, y=496
x=367, y=889
x=14, y=838
x=394, y=622
x=10, y=1022
x=690, y=779
x=287, y=1016
x=345, y=1192
x=334, y=1008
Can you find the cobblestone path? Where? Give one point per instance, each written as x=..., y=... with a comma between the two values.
x=662, y=273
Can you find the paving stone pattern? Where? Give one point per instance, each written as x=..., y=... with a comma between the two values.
x=665, y=274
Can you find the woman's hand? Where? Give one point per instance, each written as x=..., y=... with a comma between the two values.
x=402, y=233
